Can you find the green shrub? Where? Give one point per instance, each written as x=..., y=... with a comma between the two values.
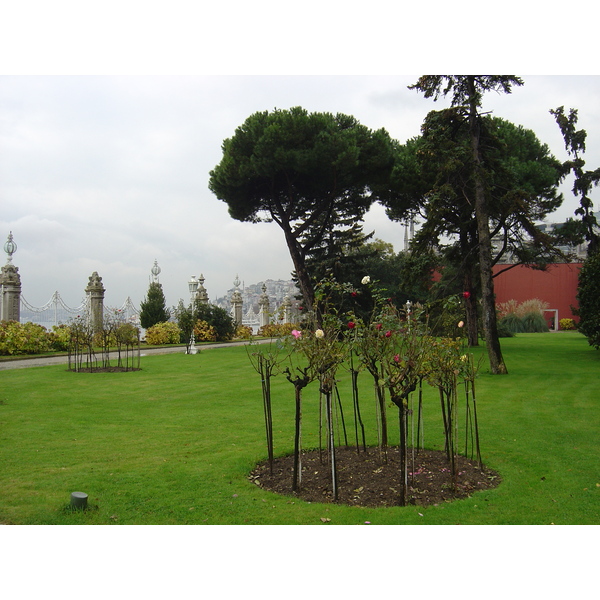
x=503, y=331
x=588, y=296
x=512, y=322
x=567, y=324
x=163, y=333
x=527, y=317
x=23, y=338
x=60, y=337
x=534, y=322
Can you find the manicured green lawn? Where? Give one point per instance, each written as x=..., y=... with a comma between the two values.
x=173, y=443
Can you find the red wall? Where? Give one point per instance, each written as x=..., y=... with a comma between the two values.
x=557, y=286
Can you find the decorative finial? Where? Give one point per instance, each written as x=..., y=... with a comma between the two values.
x=155, y=270
x=10, y=247
x=236, y=281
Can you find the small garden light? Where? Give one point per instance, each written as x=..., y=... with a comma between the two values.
x=79, y=500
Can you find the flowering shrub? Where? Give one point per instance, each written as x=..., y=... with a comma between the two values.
x=244, y=332
x=567, y=324
x=203, y=332
x=163, y=333
x=23, y=338
x=60, y=337
x=277, y=329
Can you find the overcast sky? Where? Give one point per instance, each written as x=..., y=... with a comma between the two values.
x=109, y=173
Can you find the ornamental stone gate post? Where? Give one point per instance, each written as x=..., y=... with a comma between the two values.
x=236, y=302
x=287, y=309
x=263, y=308
x=95, y=293
x=201, y=294
x=10, y=285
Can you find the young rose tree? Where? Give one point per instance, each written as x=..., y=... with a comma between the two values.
x=403, y=354
x=266, y=360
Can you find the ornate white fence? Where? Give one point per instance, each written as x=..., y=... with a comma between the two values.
x=129, y=311
x=56, y=312
x=250, y=319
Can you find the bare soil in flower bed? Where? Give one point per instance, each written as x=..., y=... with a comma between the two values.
x=364, y=479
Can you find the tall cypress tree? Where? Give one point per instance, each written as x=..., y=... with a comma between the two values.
x=153, y=307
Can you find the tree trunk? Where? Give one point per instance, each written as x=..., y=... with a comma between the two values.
x=470, y=309
x=304, y=282
x=467, y=239
x=490, y=327
x=297, y=475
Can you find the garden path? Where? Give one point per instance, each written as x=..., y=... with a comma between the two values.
x=44, y=361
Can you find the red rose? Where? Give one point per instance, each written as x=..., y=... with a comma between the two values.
x=378, y=326
x=354, y=294
x=466, y=295
x=351, y=325
x=388, y=333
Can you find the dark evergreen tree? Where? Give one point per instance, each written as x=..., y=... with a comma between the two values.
x=153, y=309
x=588, y=297
x=521, y=183
x=584, y=180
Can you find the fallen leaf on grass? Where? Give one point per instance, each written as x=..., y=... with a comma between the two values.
x=325, y=519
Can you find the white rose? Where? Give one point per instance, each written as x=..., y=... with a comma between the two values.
x=366, y=279
x=319, y=333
